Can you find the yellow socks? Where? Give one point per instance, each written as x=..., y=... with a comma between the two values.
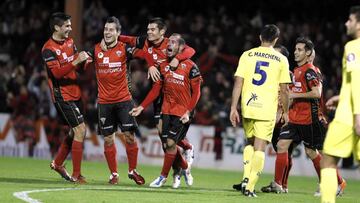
x=247, y=156
x=328, y=185
x=257, y=165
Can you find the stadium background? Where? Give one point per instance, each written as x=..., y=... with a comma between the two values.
x=217, y=30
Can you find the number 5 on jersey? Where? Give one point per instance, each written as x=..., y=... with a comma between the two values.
x=258, y=70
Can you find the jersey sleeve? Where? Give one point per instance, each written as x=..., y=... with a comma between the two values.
x=194, y=72
x=352, y=58
x=241, y=69
x=91, y=53
x=195, y=82
x=53, y=64
x=153, y=94
x=284, y=71
x=187, y=53
x=129, y=51
x=312, y=78
x=355, y=84
x=131, y=40
x=140, y=42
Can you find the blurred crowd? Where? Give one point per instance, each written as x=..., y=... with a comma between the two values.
x=218, y=32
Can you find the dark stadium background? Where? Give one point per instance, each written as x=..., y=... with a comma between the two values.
x=219, y=31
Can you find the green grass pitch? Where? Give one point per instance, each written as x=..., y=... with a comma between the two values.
x=23, y=174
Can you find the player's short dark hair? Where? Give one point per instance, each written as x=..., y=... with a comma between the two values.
x=356, y=11
x=181, y=40
x=58, y=19
x=309, y=45
x=113, y=19
x=283, y=50
x=269, y=33
x=159, y=22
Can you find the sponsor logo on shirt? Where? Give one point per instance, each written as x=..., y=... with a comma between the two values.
x=67, y=58
x=177, y=76
x=252, y=98
x=109, y=70
x=175, y=81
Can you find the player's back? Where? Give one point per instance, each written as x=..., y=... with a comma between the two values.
x=262, y=68
x=344, y=111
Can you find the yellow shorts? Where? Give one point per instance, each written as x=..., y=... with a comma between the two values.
x=258, y=128
x=341, y=140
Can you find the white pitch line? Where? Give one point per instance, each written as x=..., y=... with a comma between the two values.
x=24, y=195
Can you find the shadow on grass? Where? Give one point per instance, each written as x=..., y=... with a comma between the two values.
x=32, y=181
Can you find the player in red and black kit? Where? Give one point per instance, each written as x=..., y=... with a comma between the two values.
x=306, y=120
x=115, y=100
x=181, y=92
x=154, y=47
x=62, y=60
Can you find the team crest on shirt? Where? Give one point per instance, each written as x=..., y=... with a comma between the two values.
x=58, y=52
x=69, y=45
x=350, y=57
x=150, y=50
x=183, y=65
x=118, y=53
x=167, y=68
x=100, y=55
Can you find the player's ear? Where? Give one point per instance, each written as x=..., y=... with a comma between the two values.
x=57, y=28
x=162, y=31
x=308, y=52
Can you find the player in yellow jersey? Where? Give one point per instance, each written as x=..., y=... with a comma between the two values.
x=260, y=72
x=344, y=131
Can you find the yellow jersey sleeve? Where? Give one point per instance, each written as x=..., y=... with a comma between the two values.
x=284, y=71
x=352, y=55
x=241, y=69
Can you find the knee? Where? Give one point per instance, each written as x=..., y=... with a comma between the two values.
x=109, y=140
x=282, y=146
x=250, y=141
x=129, y=137
x=79, y=132
x=170, y=145
x=311, y=153
x=328, y=161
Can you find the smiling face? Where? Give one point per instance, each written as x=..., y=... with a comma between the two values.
x=64, y=30
x=111, y=34
x=154, y=33
x=300, y=53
